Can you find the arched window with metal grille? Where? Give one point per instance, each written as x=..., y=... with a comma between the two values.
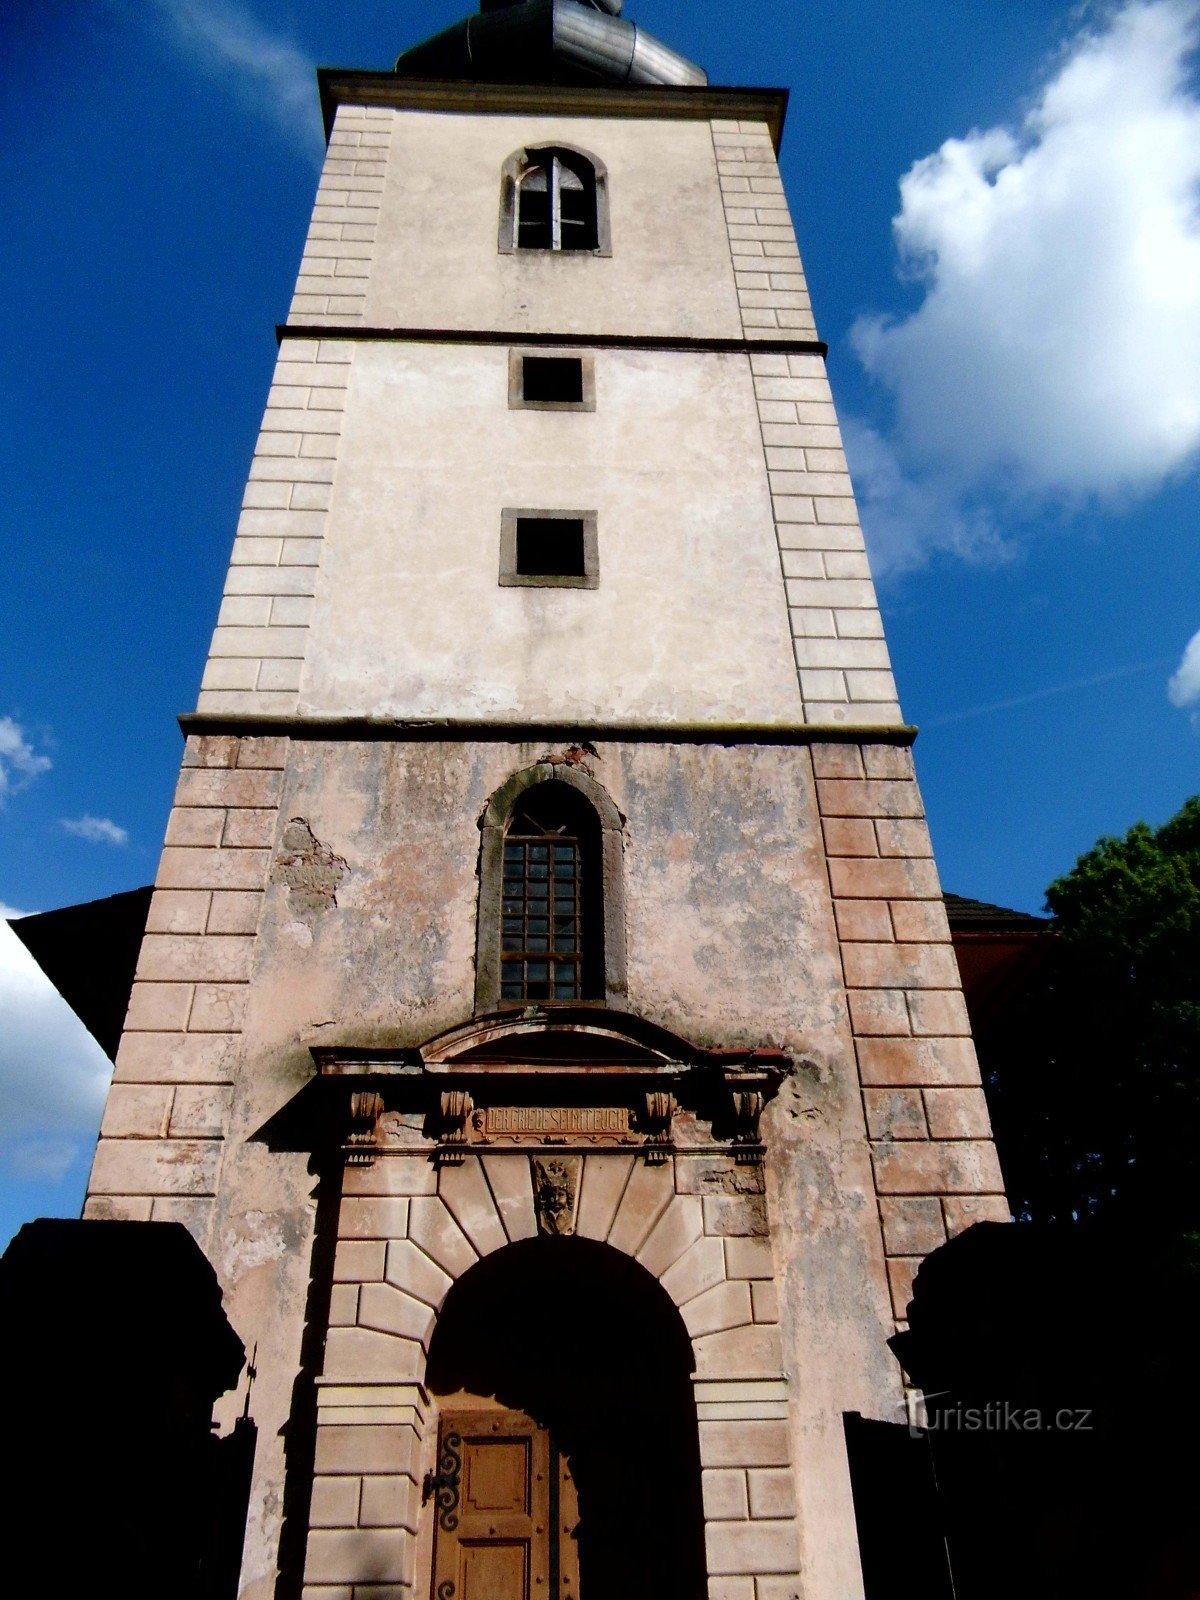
x=551, y=926
x=551, y=919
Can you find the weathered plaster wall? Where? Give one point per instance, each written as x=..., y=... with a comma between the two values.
x=363, y=581
x=731, y=941
x=326, y=892
x=364, y=577
x=689, y=620
x=437, y=265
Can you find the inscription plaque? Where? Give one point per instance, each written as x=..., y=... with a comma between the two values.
x=554, y=1124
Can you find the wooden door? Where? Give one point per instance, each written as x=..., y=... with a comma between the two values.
x=505, y=1511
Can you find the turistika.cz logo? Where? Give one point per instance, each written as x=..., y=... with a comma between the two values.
x=996, y=1416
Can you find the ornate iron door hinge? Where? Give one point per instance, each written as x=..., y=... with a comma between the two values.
x=444, y=1483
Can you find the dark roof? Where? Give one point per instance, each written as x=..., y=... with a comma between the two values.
x=978, y=916
x=89, y=953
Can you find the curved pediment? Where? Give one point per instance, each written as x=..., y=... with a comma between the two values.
x=567, y=1037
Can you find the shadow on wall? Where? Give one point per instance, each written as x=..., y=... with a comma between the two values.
x=115, y=1347
x=1056, y=1458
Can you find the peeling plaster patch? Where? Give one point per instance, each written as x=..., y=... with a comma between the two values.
x=309, y=868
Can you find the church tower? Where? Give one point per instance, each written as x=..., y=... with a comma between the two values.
x=546, y=1021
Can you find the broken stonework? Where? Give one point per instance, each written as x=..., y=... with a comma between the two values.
x=310, y=869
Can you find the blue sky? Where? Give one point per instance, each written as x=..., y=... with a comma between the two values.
x=1015, y=350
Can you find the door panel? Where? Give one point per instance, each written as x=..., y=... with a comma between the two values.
x=493, y=1571
x=496, y=1476
x=492, y=1538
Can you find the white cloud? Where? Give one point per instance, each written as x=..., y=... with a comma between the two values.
x=894, y=503
x=269, y=74
x=53, y=1074
x=19, y=762
x=1056, y=350
x=1183, y=688
x=96, y=830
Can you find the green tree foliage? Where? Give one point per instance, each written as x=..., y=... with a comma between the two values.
x=1094, y=1075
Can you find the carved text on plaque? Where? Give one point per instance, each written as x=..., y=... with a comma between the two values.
x=555, y=1124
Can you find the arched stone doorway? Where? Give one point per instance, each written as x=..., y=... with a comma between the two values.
x=580, y=1340
x=561, y=1217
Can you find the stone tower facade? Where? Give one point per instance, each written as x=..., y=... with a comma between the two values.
x=549, y=573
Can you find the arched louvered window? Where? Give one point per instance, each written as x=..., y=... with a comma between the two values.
x=551, y=933
x=556, y=203
x=554, y=198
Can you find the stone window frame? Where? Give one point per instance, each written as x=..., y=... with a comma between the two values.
x=510, y=578
x=493, y=825
x=516, y=379
x=510, y=175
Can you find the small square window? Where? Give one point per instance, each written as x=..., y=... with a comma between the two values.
x=554, y=378
x=538, y=381
x=548, y=549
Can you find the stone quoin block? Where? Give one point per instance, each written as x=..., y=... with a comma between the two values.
x=940, y=1167
x=334, y=1502
x=912, y=1226
x=373, y=1217
x=918, y=1061
x=725, y=1495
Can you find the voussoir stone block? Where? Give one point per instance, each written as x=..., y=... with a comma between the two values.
x=647, y=1195
x=464, y=1190
x=603, y=1184
x=389, y=1310
x=410, y=1269
x=749, y=1258
x=679, y=1227
x=698, y=1269
x=727, y=1305
x=512, y=1187
x=434, y=1228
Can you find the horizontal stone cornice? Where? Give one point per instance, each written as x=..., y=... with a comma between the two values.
x=778, y=343
x=452, y=728
x=648, y=102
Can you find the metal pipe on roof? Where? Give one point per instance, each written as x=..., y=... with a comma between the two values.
x=523, y=41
